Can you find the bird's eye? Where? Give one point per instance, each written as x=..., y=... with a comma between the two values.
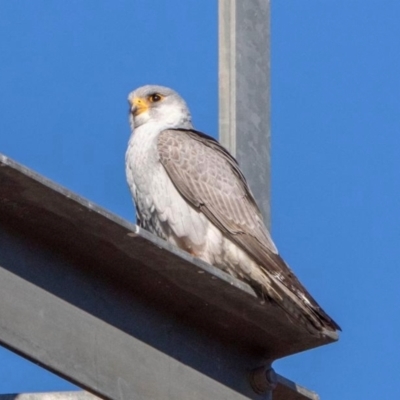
x=153, y=98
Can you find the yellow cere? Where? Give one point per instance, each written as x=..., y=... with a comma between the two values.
x=141, y=105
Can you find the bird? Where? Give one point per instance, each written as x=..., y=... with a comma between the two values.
x=190, y=191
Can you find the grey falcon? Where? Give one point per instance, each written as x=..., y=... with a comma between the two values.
x=190, y=191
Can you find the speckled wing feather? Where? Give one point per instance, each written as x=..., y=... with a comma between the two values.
x=209, y=178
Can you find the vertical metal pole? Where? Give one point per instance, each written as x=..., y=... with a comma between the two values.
x=244, y=91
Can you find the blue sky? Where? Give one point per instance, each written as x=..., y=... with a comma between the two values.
x=67, y=67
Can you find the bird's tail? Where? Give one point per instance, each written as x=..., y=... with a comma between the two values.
x=299, y=307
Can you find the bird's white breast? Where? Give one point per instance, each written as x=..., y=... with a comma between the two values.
x=142, y=161
x=160, y=207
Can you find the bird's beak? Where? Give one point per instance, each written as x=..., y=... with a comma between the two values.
x=138, y=106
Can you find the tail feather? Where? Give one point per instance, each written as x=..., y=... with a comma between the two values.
x=297, y=307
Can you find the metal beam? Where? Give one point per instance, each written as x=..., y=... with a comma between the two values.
x=120, y=312
x=49, y=396
x=244, y=91
x=285, y=390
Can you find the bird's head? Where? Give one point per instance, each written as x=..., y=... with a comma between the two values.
x=159, y=105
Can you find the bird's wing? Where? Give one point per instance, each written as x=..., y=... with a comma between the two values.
x=209, y=178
